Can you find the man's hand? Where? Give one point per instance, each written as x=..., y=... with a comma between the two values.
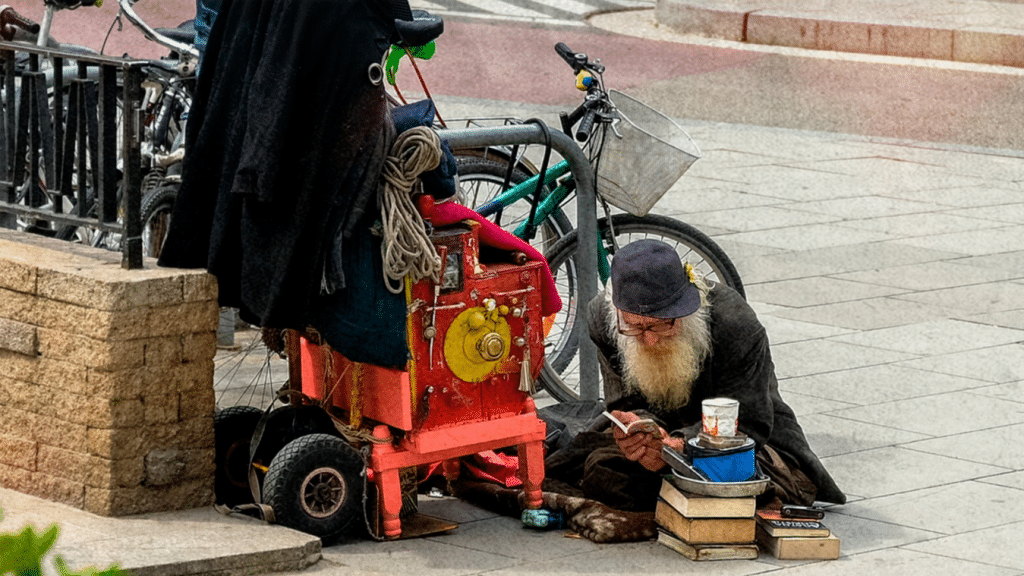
x=643, y=447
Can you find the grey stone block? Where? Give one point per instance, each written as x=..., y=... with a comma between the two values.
x=18, y=337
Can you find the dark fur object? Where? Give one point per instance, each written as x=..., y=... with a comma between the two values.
x=273, y=339
x=589, y=518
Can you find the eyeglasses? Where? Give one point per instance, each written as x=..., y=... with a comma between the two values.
x=658, y=328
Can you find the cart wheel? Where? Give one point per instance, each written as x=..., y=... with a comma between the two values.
x=315, y=485
x=286, y=423
x=232, y=430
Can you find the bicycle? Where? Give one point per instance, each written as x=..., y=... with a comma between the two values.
x=37, y=98
x=168, y=84
x=637, y=131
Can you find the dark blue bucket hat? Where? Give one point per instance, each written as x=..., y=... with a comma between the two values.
x=649, y=279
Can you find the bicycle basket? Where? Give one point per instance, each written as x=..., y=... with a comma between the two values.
x=637, y=169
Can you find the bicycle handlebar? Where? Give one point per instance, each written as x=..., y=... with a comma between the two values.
x=590, y=112
x=184, y=49
x=586, y=125
x=570, y=57
x=10, y=17
x=11, y=20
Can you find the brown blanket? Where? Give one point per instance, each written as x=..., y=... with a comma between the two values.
x=588, y=518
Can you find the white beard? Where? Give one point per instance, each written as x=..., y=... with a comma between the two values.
x=665, y=372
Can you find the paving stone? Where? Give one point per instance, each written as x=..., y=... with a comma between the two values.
x=861, y=535
x=952, y=509
x=1012, y=391
x=837, y=260
x=927, y=414
x=806, y=292
x=912, y=225
x=880, y=384
x=1010, y=479
x=995, y=364
x=823, y=356
x=963, y=196
x=831, y=435
x=804, y=405
x=870, y=314
x=1009, y=213
x=997, y=546
x=973, y=242
x=757, y=218
x=894, y=470
x=1010, y=261
x=782, y=330
x=998, y=446
x=902, y=561
x=407, y=557
x=936, y=337
x=928, y=276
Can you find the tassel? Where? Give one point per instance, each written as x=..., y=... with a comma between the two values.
x=526, y=383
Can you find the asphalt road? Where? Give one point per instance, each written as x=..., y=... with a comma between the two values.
x=508, y=61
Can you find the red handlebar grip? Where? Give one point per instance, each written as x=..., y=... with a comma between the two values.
x=9, y=16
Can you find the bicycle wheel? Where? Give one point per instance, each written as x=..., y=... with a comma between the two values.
x=157, y=206
x=480, y=181
x=560, y=375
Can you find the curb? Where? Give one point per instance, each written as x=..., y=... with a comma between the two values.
x=195, y=542
x=750, y=21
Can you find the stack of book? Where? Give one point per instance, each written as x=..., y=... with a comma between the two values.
x=706, y=527
x=795, y=538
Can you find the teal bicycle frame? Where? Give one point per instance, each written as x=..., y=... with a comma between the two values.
x=545, y=208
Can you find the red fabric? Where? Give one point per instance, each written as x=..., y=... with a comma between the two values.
x=494, y=467
x=488, y=465
x=492, y=235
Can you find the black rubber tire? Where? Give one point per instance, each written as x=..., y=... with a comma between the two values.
x=560, y=373
x=315, y=485
x=480, y=180
x=232, y=431
x=157, y=206
x=286, y=423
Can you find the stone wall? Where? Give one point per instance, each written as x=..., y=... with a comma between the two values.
x=106, y=378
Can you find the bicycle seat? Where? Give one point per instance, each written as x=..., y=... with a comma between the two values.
x=423, y=28
x=184, y=33
x=69, y=4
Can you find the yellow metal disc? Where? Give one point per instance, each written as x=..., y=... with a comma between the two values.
x=476, y=342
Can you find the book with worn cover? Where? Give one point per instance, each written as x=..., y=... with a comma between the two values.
x=704, y=530
x=701, y=552
x=642, y=425
x=698, y=506
x=799, y=548
x=775, y=525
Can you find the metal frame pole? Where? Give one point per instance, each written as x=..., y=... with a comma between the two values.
x=586, y=220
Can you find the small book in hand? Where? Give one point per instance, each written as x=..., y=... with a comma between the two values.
x=644, y=425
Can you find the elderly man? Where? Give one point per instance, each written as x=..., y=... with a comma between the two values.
x=666, y=342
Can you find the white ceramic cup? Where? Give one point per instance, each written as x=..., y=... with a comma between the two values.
x=720, y=416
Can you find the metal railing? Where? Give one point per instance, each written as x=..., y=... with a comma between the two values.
x=62, y=162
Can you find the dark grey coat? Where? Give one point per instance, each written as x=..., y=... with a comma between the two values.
x=740, y=367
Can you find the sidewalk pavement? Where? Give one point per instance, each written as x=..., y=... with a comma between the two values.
x=890, y=277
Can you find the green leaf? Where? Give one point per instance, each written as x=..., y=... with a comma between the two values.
x=43, y=543
x=63, y=569
x=21, y=554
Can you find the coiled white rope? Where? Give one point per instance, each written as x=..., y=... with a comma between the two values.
x=407, y=249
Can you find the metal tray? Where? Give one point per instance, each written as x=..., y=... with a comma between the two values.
x=688, y=479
